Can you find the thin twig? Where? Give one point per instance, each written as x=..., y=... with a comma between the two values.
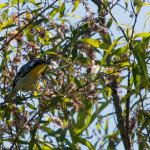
x=136, y=15
x=34, y=18
x=114, y=19
x=123, y=7
x=14, y=143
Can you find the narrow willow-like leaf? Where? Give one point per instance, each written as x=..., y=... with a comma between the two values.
x=62, y=10
x=142, y=3
x=142, y=64
x=109, y=50
x=75, y=5
x=92, y=42
x=106, y=127
x=85, y=142
x=30, y=106
x=145, y=35
x=145, y=124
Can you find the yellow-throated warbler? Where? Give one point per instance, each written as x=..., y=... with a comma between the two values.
x=27, y=77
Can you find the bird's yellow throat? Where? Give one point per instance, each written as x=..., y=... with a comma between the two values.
x=34, y=73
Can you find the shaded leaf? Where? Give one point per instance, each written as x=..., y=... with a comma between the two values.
x=142, y=64
x=62, y=10
x=31, y=106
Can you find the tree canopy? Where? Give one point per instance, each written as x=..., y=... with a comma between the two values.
x=94, y=93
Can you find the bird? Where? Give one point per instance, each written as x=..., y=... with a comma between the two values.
x=27, y=77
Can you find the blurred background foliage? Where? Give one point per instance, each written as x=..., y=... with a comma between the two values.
x=90, y=66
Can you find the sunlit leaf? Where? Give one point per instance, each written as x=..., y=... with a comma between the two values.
x=106, y=127
x=75, y=5
x=71, y=15
x=142, y=3
x=145, y=35
x=3, y=5
x=92, y=42
x=13, y=49
x=85, y=142
x=54, y=12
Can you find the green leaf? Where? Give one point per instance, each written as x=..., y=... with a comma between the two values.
x=55, y=81
x=32, y=141
x=98, y=127
x=142, y=64
x=109, y=50
x=31, y=106
x=92, y=42
x=62, y=10
x=75, y=5
x=71, y=15
x=77, y=82
x=38, y=22
x=2, y=38
x=104, y=46
x=16, y=2
x=54, y=12
x=146, y=145
x=83, y=120
x=24, y=2
x=85, y=142
x=145, y=124
x=54, y=53
x=141, y=146
x=22, y=142
x=142, y=3
x=121, y=50
x=101, y=108
x=145, y=35
x=13, y=49
x=9, y=26
x=3, y=5
x=136, y=76
x=41, y=40
x=109, y=23
x=106, y=127
x=21, y=109
x=147, y=20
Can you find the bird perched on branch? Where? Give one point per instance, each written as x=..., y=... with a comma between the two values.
x=27, y=77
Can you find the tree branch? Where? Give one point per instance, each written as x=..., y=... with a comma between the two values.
x=128, y=110
x=136, y=15
x=118, y=110
x=109, y=12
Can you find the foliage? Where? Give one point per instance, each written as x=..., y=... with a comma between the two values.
x=88, y=68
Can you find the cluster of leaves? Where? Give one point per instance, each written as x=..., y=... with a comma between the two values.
x=78, y=85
